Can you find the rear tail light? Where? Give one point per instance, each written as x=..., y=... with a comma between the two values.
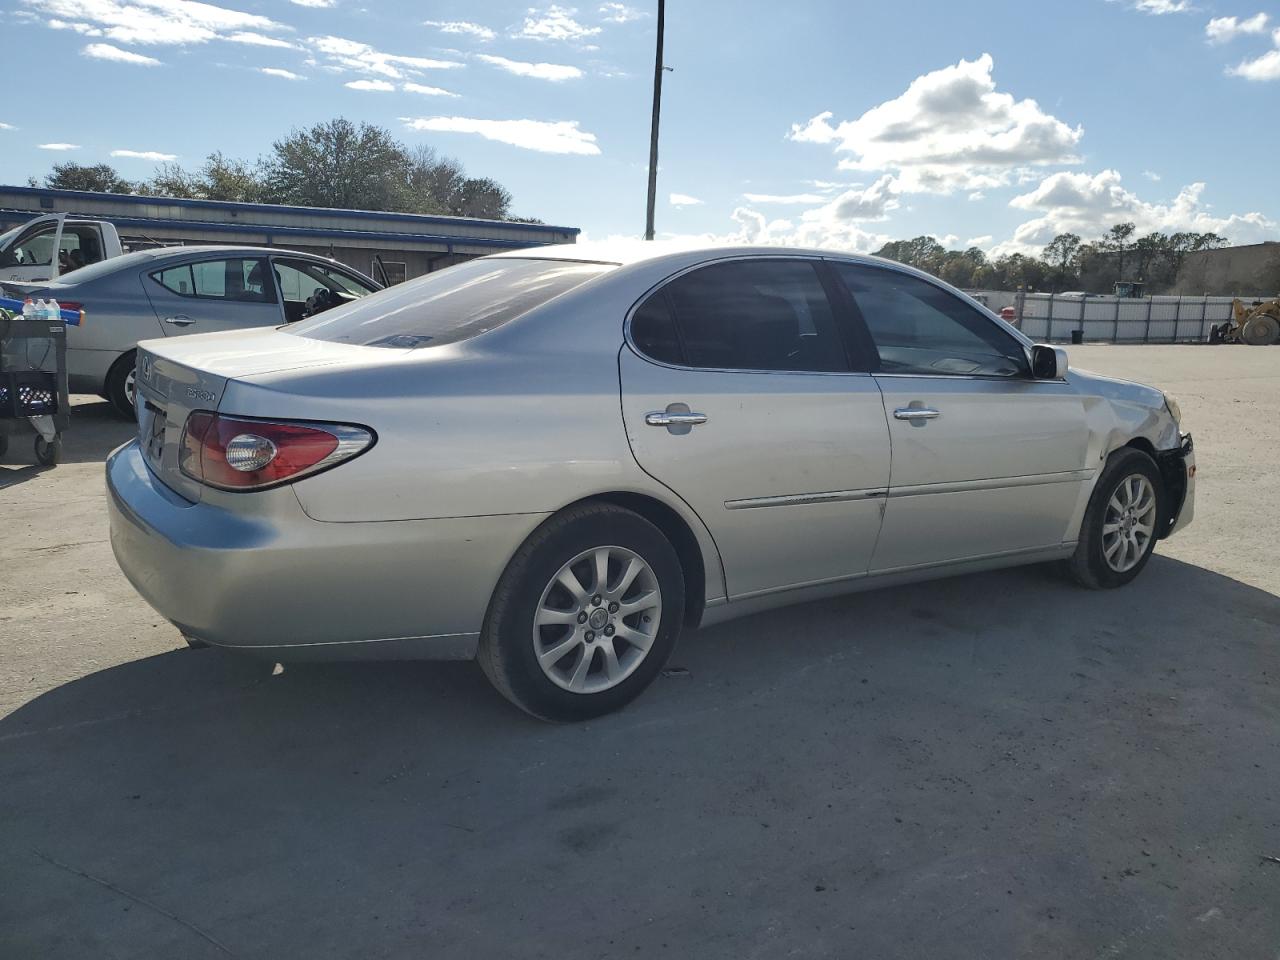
x=70, y=306
x=239, y=453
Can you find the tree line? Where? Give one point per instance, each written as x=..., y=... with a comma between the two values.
x=1067, y=263
x=335, y=164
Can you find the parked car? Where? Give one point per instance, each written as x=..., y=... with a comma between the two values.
x=47, y=247
x=554, y=461
x=174, y=291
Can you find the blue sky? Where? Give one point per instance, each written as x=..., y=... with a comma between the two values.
x=842, y=124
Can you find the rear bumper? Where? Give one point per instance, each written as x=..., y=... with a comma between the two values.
x=273, y=581
x=1178, y=468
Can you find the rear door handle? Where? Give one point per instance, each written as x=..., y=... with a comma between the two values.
x=916, y=413
x=662, y=419
x=677, y=418
x=180, y=320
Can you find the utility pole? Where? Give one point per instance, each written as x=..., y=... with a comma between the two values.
x=653, y=129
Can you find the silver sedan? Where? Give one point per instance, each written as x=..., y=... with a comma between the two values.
x=175, y=291
x=553, y=462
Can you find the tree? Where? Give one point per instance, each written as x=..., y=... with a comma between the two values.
x=1116, y=240
x=100, y=178
x=339, y=164
x=1060, y=254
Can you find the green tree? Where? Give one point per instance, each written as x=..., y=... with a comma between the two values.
x=100, y=178
x=1117, y=241
x=339, y=164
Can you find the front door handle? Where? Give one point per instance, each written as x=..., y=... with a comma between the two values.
x=180, y=320
x=916, y=413
x=677, y=418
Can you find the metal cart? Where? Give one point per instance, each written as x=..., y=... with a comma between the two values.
x=33, y=383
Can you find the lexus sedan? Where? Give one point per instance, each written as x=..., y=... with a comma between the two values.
x=553, y=462
x=173, y=291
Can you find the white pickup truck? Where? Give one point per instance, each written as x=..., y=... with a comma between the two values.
x=48, y=247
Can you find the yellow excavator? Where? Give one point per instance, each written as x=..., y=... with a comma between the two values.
x=1257, y=325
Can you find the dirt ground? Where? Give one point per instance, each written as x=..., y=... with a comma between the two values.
x=995, y=765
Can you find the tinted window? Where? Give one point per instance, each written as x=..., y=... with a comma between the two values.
x=742, y=315
x=449, y=305
x=920, y=328
x=238, y=279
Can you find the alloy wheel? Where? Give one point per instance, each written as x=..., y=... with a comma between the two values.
x=1129, y=523
x=597, y=619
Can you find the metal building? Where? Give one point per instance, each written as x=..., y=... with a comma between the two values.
x=409, y=244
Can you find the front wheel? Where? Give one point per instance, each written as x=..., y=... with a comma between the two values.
x=585, y=614
x=1120, y=525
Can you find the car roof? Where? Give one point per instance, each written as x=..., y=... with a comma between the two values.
x=676, y=255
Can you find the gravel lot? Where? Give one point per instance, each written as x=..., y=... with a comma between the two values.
x=992, y=766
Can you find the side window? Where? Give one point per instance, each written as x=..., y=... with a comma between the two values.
x=176, y=280
x=920, y=328
x=240, y=279
x=33, y=250
x=742, y=315
x=653, y=330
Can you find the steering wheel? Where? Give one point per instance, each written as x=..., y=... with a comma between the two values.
x=321, y=299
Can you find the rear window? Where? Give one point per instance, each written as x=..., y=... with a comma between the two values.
x=454, y=304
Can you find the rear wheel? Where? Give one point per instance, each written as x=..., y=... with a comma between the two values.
x=120, y=385
x=585, y=614
x=1121, y=523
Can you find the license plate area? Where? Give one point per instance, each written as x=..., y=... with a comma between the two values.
x=151, y=431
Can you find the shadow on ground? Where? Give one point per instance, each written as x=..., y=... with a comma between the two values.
x=996, y=765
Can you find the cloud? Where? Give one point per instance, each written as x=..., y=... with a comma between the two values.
x=145, y=155
x=159, y=22
x=280, y=72
x=426, y=91
x=540, y=71
x=461, y=26
x=559, y=136
x=1089, y=204
x=620, y=13
x=977, y=195
x=57, y=146
x=553, y=23
x=684, y=200
x=981, y=241
x=105, y=51
x=788, y=198
x=381, y=86
x=1265, y=67
x=1226, y=29
x=1160, y=8
x=84, y=29
x=259, y=40
x=315, y=4
x=1151, y=175
x=870, y=203
x=7, y=126
x=343, y=55
x=950, y=130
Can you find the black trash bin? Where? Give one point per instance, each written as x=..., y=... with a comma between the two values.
x=1077, y=336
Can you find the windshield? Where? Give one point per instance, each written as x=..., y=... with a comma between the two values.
x=449, y=305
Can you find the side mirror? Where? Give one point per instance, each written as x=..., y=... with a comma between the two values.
x=1048, y=363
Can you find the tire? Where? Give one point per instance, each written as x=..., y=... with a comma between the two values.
x=1261, y=331
x=48, y=452
x=510, y=643
x=118, y=384
x=1090, y=565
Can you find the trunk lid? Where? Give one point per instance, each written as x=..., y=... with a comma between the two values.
x=178, y=376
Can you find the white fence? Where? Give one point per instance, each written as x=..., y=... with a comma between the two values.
x=1047, y=316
